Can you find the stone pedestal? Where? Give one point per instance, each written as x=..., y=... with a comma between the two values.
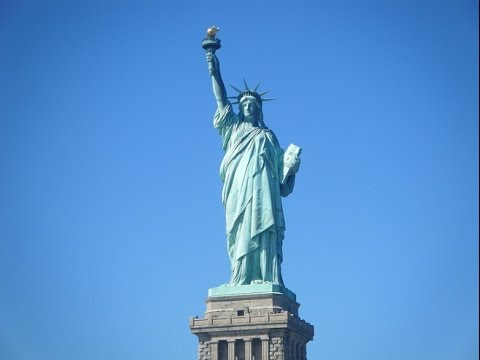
x=251, y=326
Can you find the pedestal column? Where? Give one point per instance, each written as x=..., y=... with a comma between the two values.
x=231, y=349
x=265, y=348
x=214, y=350
x=248, y=348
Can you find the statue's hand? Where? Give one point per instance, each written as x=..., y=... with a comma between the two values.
x=295, y=165
x=212, y=61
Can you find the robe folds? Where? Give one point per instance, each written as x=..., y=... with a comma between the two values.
x=251, y=171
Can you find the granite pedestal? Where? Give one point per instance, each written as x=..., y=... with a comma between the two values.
x=251, y=322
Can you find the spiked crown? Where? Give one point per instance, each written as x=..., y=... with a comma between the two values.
x=249, y=93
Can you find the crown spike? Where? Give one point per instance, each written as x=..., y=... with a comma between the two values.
x=234, y=88
x=264, y=92
x=256, y=87
x=246, y=86
x=268, y=99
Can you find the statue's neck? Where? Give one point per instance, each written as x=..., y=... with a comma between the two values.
x=251, y=120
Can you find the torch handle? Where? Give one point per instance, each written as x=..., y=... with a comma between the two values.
x=210, y=63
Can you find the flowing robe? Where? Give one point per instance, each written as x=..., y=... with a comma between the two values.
x=251, y=171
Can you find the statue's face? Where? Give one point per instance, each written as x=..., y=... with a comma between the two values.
x=250, y=108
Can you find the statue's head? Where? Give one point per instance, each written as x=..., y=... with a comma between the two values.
x=250, y=105
x=251, y=110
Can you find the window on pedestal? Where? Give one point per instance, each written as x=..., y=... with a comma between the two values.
x=257, y=349
x=222, y=350
x=239, y=350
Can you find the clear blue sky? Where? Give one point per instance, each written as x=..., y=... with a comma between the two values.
x=111, y=223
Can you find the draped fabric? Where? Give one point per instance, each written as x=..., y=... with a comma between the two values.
x=251, y=171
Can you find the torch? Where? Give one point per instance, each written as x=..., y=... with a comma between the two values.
x=211, y=43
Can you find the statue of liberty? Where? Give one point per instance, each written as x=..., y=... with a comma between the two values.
x=256, y=172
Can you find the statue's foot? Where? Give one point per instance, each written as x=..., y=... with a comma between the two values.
x=256, y=282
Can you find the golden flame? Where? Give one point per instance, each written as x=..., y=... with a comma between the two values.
x=212, y=31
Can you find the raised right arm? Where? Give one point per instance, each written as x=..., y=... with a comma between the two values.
x=217, y=82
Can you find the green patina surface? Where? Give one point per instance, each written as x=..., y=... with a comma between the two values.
x=226, y=290
x=256, y=172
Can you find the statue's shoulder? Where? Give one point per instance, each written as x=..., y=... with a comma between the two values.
x=225, y=116
x=270, y=132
